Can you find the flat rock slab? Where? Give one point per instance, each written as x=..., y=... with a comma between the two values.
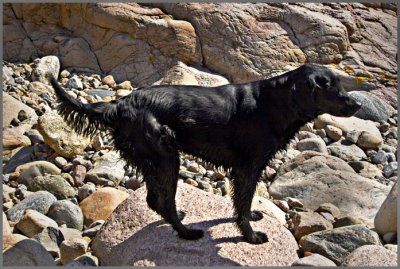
x=136, y=236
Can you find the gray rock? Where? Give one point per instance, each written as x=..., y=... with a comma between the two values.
x=45, y=67
x=134, y=182
x=380, y=157
x=39, y=201
x=50, y=238
x=27, y=253
x=370, y=256
x=390, y=169
x=314, y=178
x=27, y=172
x=86, y=190
x=336, y=244
x=109, y=167
x=372, y=108
x=314, y=144
x=66, y=212
x=75, y=83
x=99, y=92
x=346, y=151
x=60, y=161
x=314, y=260
x=55, y=184
x=93, y=229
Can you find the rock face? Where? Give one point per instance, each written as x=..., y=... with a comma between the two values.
x=60, y=137
x=141, y=42
x=314, y=179
x=133, y=233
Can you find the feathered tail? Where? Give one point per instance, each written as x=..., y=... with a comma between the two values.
x=85, y=119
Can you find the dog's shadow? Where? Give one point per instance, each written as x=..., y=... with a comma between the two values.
x=158, y=244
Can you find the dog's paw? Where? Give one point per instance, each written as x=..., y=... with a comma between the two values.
x=257, y=238
x=192, y=234
x=181, y=214
x=256, y=215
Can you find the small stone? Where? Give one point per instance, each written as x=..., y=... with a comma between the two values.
x=309, y=222
x=293, y=202
x=191, y=182
x=126, y=85
x=33, y=222
x=314, y=144
x=346, y=221
x=282, y=204
x=379, y=157
x=75, y=83
x=78, y=174
x=330, y=208
x=93, y=229
x=121, y=93
x=60, y=161
x=65, y=74
x=72, y=248
x=66, y=212
x=389, y=237
x=88, y=260
x=369, y=141
x=333, y=132
x=327, y=216
x=205, y=186
x=86, y=190
x=386, y=218
x=193, y=167
x=109, y=81
x=390, y=169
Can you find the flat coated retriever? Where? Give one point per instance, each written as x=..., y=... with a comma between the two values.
x=237, y=126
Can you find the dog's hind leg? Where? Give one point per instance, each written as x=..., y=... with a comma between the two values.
x=244, y=186
x=168, y=175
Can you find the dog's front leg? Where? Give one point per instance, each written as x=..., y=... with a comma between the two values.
x=244, y=186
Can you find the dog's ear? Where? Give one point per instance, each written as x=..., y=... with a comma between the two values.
x=318, y=82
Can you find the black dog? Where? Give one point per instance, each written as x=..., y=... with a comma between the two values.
x=238, y=126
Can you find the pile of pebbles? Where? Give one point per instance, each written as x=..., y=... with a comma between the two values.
x=43, y=190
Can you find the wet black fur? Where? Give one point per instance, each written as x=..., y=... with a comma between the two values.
x=238, y=126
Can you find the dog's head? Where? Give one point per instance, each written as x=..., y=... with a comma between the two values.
x=318, y=90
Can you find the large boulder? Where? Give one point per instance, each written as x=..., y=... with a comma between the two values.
x=315, y=178
x=133, y=234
